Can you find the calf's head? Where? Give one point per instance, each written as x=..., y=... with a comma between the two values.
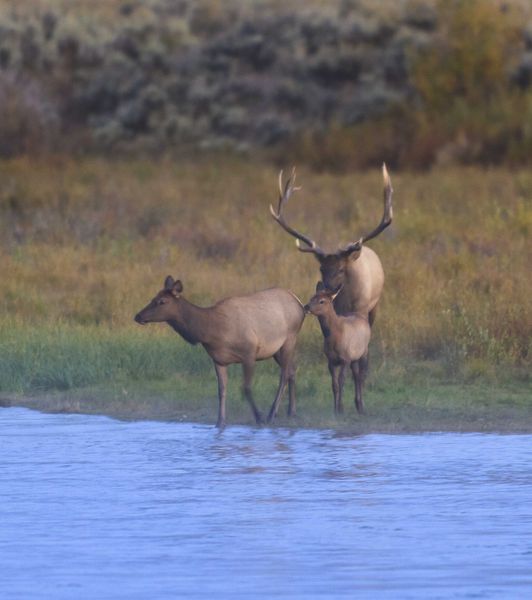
x=322, y=301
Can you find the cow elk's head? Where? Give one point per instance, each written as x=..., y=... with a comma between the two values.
x=160, y=308
x=333, y=266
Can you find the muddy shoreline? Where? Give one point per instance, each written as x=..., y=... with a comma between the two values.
x=164, y=409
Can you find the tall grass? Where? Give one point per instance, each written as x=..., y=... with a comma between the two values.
x=85, y=244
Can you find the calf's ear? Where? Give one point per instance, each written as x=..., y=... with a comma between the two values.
x=320, y=286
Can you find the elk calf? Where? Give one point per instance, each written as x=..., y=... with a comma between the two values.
x=242, y=329
x=346, y=339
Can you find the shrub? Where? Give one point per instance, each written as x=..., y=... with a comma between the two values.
x=28, y=120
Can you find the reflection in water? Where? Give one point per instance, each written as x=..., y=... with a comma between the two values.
x=94, y=508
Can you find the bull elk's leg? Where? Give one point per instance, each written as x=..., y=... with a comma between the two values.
x=221, y=374
x=363, y=366
x=371, y=316
x=357, y=379
x=248, y=369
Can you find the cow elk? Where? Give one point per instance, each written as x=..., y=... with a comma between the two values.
x=354, y=268
x=241, y=329
x=346, y=339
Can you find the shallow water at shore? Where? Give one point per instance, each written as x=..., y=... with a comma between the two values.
x=97, y=508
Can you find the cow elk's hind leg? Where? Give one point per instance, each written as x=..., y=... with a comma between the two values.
x=248, y=369
x=288, y=355
x=285, y=359
x=221, y=374
x=357, y=379
x=280, y=390
x=292, y=392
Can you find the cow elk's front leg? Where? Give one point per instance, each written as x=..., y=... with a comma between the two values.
x=221, y=374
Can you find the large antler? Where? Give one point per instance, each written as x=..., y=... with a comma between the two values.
x=284, y=194
x=386, y=216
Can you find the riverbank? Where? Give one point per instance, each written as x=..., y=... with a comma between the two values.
x=394, y=409
x=85, y=244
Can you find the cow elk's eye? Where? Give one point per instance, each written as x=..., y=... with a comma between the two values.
x=162, y=301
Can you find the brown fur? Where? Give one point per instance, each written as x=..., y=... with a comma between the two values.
x=355, y=268
x=241, y=329
x=346, y=339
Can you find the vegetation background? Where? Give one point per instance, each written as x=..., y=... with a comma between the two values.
x=140, y=139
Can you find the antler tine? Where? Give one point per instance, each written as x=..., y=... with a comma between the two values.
x=284, y=194
x=387, y=215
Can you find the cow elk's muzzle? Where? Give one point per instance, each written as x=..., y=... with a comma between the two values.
x=139, y=319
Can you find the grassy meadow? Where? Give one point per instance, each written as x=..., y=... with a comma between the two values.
x=85, y=243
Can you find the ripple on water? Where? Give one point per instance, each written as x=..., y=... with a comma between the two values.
x=93, y=508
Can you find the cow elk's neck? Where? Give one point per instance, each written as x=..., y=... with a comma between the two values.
x=192, y=322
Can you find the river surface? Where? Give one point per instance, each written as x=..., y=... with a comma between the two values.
x=93, y=508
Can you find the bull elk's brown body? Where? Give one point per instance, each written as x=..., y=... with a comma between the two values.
x=242, y=329
x=355, y=268
x=346, y=339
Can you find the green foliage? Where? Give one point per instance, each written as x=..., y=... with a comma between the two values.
x=340, y=85
x=86, y=244
x=476, y=45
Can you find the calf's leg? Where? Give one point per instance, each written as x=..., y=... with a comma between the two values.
x=341, y=380
x=358, y=380
x=333, y=370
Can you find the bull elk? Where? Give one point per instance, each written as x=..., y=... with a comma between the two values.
x=346, y=340
x=241, y=329
x=354, y=268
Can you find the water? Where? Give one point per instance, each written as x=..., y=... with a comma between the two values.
x=99, y=509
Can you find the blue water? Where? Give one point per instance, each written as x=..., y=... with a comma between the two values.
x=96, y=508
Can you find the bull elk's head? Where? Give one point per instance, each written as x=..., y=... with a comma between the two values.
x=333, y=265
x=160, y=308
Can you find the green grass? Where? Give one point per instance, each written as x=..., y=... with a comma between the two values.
x=150, y=373
x=85, y=244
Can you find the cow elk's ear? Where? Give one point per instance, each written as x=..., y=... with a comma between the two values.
x=169, y=283
x=177, y=287
x=320, y=287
